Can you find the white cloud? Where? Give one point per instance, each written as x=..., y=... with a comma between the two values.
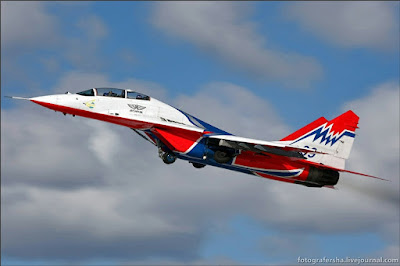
x=377, y=151
x=223, y=30
x=46, y=161
x=143, y=209
x=234, y=109
x=26, y=24
x=104, y=143
x=379, y=125
x=350, y=24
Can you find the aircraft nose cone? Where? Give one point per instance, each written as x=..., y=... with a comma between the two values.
x=46, y=101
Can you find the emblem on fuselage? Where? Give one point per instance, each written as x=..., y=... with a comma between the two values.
x=136, y=108
x=90, y=103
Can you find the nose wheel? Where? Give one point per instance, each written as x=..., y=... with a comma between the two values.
x=168, y=158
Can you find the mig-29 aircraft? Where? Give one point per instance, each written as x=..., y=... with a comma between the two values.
x=312, y=156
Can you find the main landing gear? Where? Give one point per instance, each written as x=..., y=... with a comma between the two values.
x=221, y=156
x=197, y=165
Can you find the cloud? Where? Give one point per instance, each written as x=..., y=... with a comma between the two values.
x=27, y=29
x=223, y=30
x=27, y=24
x=143, y=210
x=83, y=51
x=36, y=154
x=350, y=24
x=376, y=149
x=41, y=27
x=379, y=122
x=234, y=109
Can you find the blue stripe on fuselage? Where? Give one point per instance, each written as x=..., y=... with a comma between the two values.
x=199, y=123
x=198, y=158
x=279, y=173
x=207, y=162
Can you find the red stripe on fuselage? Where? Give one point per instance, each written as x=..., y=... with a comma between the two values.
x=257, y=161
x=93, y=115
x=179, y=139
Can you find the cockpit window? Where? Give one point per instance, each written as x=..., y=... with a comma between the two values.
x=87, y=93
x=137, y=95
x=111, y=92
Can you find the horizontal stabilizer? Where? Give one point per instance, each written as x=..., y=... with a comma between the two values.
x=341, y=170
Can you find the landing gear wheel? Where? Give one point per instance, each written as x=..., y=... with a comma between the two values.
x=168, y=158
x=222, y=156
x=198, y=165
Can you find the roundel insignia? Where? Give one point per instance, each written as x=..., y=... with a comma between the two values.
x=90, y=103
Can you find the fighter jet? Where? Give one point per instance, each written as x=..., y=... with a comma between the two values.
x=312, y=156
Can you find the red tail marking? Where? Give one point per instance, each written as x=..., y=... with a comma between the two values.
x=297, y=134
x=347, y=120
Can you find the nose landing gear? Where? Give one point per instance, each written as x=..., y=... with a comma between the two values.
x=167, y=157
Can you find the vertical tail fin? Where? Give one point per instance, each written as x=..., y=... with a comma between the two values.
x=335, y=138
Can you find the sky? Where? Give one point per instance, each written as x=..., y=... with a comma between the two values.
x=83, y=192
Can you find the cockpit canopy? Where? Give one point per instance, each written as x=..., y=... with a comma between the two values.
x=113, y=92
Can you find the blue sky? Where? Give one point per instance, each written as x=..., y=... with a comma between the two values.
x=258, y=69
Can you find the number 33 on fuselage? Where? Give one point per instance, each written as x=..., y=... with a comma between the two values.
x=312, y=156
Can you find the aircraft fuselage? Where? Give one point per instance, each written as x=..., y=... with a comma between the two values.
x=181, y=135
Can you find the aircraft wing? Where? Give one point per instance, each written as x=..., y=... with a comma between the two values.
x=278, y=148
